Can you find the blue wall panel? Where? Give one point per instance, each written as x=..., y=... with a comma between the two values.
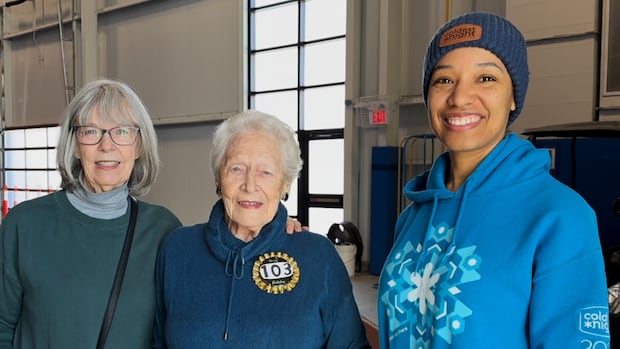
x=384, y=193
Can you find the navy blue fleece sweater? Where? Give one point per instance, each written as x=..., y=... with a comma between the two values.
x=277, y=291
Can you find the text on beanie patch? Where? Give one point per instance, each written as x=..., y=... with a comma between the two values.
x=461, y=33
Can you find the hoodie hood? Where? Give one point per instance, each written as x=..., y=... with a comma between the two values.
x=222, y=242
x=513, y=160
x=234, y=252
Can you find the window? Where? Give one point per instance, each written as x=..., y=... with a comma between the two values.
x=610, y=55
x=297, y=73
x=29, y=163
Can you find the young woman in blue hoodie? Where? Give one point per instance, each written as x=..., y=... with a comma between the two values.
x=239, y=280
x=493, y=252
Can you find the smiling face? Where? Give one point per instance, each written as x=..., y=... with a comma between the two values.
x=252, y=182
x=106, y=165
x=469, y=99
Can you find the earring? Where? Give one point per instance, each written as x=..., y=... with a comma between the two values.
x=285, y=197
x=218, y=190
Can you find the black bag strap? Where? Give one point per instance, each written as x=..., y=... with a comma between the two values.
x=118, y=278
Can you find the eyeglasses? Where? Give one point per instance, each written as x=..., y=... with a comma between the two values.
x=91, y=135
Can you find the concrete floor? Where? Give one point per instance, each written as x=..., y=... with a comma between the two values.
x=365, y=292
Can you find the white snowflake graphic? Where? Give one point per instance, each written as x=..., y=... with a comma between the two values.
x=424, y=287
x=422, y=298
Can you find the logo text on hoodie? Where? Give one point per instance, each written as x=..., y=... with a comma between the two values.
x=594, y=321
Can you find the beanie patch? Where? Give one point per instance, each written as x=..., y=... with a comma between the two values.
x=461, y=33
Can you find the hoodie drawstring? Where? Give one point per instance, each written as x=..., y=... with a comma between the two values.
x=234, y=268
x=430, y=220
x=459, y=214
x=234, y=263
x=429, y=226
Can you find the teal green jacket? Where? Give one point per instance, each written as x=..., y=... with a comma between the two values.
x=57, y=269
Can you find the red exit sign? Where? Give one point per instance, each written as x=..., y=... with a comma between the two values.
x=378, y=117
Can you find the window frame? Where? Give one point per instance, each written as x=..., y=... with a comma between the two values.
x=305, y=199
x=24, y=193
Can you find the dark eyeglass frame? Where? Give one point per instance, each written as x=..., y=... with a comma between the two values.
x=103, y=131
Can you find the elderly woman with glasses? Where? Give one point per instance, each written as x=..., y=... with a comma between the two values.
x=60, y=253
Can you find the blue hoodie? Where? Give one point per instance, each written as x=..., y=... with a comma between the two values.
x=276, y=291
x=511, y=259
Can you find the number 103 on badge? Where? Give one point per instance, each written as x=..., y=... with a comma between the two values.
x=275, y=272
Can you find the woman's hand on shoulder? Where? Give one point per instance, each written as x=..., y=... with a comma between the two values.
x=294, y=226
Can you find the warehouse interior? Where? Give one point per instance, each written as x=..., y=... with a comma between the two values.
x=192, y=63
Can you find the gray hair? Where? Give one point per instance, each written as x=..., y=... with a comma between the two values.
x=116, y=102
x=257, y=121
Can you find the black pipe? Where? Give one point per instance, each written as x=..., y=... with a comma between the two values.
x=13, y=3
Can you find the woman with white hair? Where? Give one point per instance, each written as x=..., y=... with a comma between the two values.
x=238, y=280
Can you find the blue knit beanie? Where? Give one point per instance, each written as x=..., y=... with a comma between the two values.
x=487, y=31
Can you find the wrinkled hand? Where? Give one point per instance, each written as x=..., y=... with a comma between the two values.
x=294, y=226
